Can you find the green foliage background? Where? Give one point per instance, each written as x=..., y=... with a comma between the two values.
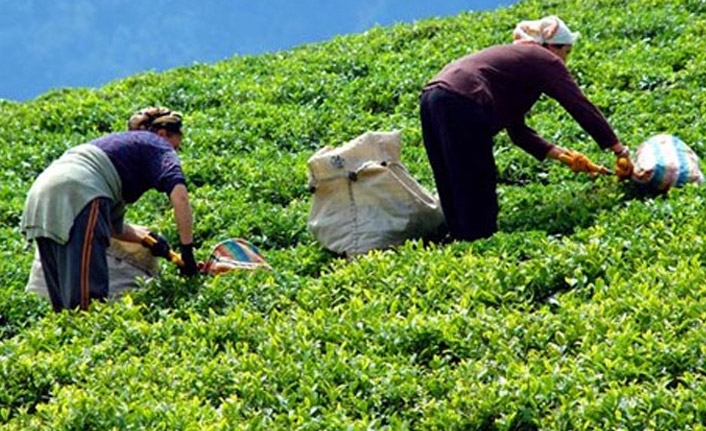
x=585, y=312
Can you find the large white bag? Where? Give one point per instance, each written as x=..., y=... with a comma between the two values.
x=126, y=262
x=365, y=199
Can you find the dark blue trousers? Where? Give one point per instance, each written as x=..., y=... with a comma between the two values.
x=77, y=271
x=459, y=143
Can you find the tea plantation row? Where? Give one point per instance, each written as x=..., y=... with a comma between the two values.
x=584, y=312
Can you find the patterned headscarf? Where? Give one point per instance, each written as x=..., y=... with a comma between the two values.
x=154, y=118
x=550, y=30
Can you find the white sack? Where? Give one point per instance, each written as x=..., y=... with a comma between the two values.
x=365, y=199
x=126, y=262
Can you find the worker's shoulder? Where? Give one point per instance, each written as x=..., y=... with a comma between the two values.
x=529, y=50
x=138, y=137
x=149, y=138
x=525, y=52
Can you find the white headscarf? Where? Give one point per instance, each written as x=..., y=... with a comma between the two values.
x=549, y=29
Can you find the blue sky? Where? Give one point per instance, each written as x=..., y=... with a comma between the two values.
x=66, y=43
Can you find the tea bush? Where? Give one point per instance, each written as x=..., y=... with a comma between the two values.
x=586, y=310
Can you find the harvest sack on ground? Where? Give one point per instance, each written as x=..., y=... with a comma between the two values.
x=365, y=199
x=665, y=161
x=233, y=254
x=126, y=262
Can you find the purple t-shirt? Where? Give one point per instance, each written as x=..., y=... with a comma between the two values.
x=144, y=161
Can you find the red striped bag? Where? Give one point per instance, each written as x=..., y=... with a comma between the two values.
x=234, y=254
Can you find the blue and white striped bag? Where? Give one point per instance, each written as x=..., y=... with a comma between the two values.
x=665, y=161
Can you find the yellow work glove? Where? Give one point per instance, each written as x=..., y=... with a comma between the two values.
x=578, y=162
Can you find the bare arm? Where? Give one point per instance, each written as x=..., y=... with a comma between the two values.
x=132, y=233
x=182, y=213
x=555, y=152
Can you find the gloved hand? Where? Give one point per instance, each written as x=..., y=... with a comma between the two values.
x=578, y=162
x=159, y=247
x=190, y=267
x=624, y=167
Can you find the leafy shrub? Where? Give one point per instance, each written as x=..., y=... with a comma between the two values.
x=584, y=312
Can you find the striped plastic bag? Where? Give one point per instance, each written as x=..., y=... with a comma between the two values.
x=234, y=254
x=665, y=161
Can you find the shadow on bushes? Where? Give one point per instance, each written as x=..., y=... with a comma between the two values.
x=19, y=311
x=560, y=210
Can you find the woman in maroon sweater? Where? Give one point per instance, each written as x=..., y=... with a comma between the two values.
x=476, y=96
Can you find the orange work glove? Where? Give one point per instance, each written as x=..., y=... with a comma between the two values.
x=578, y=162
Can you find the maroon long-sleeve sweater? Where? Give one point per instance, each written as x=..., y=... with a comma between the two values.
x=509, y=79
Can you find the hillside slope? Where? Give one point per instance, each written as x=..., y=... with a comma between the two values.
x=586, y=311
